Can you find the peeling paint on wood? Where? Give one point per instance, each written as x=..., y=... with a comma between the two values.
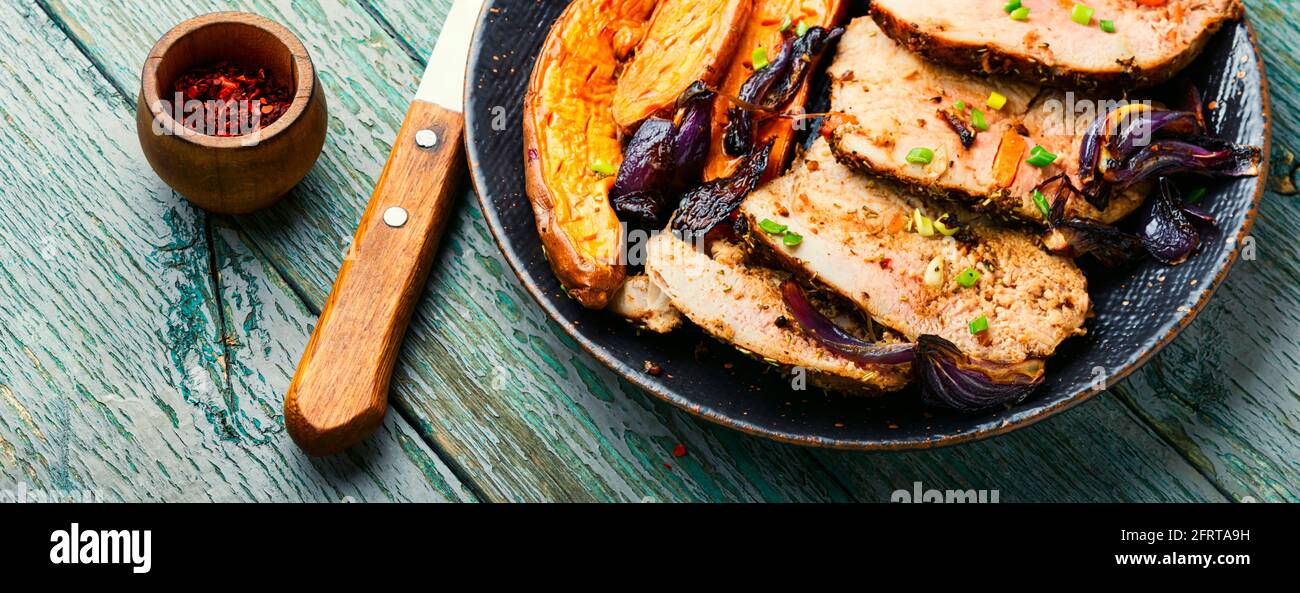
x=523, y=413
x=117, y=378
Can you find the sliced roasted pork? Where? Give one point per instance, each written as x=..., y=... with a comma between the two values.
x=859, y=237
x=642, y=303
x=1152, y=39
x=743, y=306
x=898, y=103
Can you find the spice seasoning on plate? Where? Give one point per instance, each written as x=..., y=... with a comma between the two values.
x=231, y=101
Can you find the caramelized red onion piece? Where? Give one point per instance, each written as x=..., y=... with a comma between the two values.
x=648, y=160
x=1169, y=235
x=638, y=195
x=705, y=208
x=964, y=134
x=951, y=379
x=739, y=133
x=948, y=377
x=806, y=50
x=1188, y=99
x=641, y=209
x=1090, y=150
x=775, y=85
x=1202, y=156
x=1143, y=126
x=1199, y=215
x=832, y=337
x=1078, y=237
x=694, y=134
x=1137, y=142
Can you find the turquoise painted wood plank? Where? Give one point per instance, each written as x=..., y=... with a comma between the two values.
x=116, y=375
x=1121, y=458
x=1227, y=392
x=484, y=374
x=415, y=24
x=266, y=328
x=1095, y=453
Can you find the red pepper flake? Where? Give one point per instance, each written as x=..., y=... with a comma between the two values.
x=653, y=368
x=679, y=451
x=225, y=100
x=668, y=466
x=886, y=263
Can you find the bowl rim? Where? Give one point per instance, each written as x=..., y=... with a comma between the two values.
x=305, y=80
x=980, y=430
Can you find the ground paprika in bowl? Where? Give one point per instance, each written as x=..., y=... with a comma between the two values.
x=231, y=113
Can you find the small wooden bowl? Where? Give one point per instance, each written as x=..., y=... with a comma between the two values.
x=231, y=175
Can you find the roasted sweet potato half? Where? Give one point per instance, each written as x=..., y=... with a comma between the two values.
x=763, y=30
x=571, y=145
x=688, y=40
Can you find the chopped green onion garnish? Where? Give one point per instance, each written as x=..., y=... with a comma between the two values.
x=1082, y=14
x=977, y=120
x=922, y=223
x=772, y=227
x=1108, y=26
x=944, y=229
x=979, y=324
x=1039, y=157
x=920, y=156
x=961, y=106
x=792, y=239
x=1020, y=14
x=934, y=273
x=968, y=277
x=996, y=101
x=603, y=167
x=786, y=22
x=1195, y=196
x=802, y=29
x=1011, y=6
x=759, y=58
x=1041, y=201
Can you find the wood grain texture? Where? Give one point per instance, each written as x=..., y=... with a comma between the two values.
x=522, y=411
x=415, y=25
x=1097, y=452
x=1227, y=392
x=483, y=373
x=120, y=376
x=339, y=394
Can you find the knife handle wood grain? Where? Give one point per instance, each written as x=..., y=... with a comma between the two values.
x=339, y=393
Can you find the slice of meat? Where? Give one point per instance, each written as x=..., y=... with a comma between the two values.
x=1153, y=39
x=896, y=102
x=688, y=40
x=642, y=303
x=743, y=306
x=856, y=241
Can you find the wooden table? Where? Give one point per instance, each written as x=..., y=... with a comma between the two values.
x=145, y=346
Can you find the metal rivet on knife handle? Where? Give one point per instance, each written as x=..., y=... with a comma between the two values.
x=395, y=217
x=426, y=138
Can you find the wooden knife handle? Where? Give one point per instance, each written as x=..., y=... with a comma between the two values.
x=340, y=392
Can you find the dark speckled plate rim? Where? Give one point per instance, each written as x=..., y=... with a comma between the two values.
x=980, y=428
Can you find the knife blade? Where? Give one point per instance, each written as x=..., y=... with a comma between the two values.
x=339, y=393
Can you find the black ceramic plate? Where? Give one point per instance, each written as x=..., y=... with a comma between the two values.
x=1137, y=311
